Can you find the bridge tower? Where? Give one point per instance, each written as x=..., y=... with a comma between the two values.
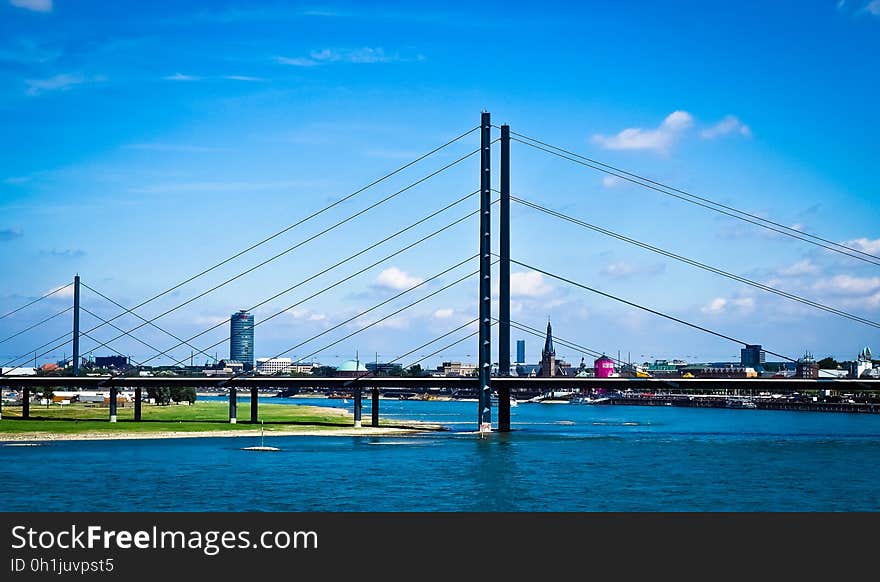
x=485, y=310
x=76, y=325
x=504, y=283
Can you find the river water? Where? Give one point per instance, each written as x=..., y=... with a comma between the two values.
x=560, y=457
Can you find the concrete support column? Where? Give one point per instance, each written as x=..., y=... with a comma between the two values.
x=113, y=396
x=358, y=405
x=375, y=409
x=137, y=404
x=26, y=403
x=503, y=408
x=1, y=403
x=254, y=405
x=233, y=405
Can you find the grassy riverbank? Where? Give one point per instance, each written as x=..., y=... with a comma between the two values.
x=202, y=418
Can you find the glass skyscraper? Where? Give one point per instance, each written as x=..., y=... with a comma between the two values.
x=241, y=338
x=520, y=351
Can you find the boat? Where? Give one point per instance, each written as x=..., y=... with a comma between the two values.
x=740, y=403
x=262, y=447
x=589, y=400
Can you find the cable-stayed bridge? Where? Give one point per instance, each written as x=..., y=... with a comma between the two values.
x=480, y=265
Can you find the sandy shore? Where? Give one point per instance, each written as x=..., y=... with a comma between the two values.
x=102, y=436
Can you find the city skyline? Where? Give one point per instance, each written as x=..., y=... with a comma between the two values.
x=235, y=146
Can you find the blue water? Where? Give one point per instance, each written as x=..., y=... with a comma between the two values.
x=560, y=458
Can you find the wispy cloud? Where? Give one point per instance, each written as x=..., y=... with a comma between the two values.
x=60, y=82
x=181, y=77
x=64, y=253
x=730, y=124
x=848, y=285
x=35, y=5
x=659, y=139
x=243, y=78
x=873, y=7
x=192, y=78
x=624, y=270
x=611, y=181
x=799, y=269
x=10, y=233
x=307, y=315
x=16, y=179
x=720, y=305
x=445, y=313
x=365, y=55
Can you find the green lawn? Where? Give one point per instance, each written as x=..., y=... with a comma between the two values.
x=200, y=417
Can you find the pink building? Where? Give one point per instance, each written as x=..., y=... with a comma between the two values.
x=604, y=367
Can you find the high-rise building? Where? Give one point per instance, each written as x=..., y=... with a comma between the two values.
x=752, y=356
x=241, y=338
x=520, y=351
x=548, y=355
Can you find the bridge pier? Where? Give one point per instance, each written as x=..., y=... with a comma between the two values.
x=375, y=410
x=254, y=405
x=26, y=403
x=113, y=397
x=358, y=405
x=1, y=403
x=233, y=412
x=504, y=408
x=137, y=404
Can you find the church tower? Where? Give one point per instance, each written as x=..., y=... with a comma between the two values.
x=548, y=355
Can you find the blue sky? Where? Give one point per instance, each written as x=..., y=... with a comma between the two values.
x=145, y=141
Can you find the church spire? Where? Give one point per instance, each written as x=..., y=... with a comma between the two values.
x=548, y=342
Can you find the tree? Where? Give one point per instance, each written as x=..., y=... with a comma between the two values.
x=48, y=394
x=828, y=363
x=324, y=371
x=162, y=394
x=414, y=370
x=183, y=394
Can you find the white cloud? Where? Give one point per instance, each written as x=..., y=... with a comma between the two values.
x=805, y=267
x=660, y=139
x=611, y=181
x=866, y=245
x=35, y=5
x=242, y=78
x=394, y=278
x=619, y=269
x=66, y=293
x=444, y=313
x=623, y=269
x=365, y=55
x=721, y=305
x=715, y=306
x=848, y=285
x=528, y=284
x=307, y=315
x=181, y=77
x=57, y=83
x=730, y=124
